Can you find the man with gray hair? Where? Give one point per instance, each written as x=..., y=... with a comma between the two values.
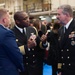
x=66, y=62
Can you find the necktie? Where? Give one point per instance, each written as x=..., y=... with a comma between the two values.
x=23, y=31
x=65, y=29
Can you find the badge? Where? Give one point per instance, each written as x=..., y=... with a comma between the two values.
x=72, y=43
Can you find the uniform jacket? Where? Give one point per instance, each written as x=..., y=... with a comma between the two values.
x=33, y=56
x=67, y=49
x=21, y=39
x=11, y=59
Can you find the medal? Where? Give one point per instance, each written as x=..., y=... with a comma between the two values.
x=72, y=43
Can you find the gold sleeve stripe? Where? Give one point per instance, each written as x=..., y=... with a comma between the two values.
x=41, y=45
x=59, y=65
x=22, y=50
x=36, y=31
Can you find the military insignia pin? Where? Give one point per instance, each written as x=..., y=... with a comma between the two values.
x=72, y=43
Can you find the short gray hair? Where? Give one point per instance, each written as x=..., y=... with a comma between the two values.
x=66, y=9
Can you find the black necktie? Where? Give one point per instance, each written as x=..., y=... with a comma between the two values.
x=65, y=29
x=23, y=31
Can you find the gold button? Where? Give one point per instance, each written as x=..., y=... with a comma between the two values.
x=26, y=63
x=67, y=49
x=28, y=49
x=62, y=50
x=62, y=57
x=69, y=64
x=68, y=57
x=63, y=63
x=33, y=55
x=26, y=57
x=33, y=49
x=33, y=61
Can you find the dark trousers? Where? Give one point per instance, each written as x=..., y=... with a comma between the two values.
x=33, y=70
x=54, y=69
x=68, y=71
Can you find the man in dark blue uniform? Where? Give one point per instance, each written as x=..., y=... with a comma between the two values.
x=66, y=40
x=29, y=44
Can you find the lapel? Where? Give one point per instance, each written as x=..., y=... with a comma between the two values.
x=62, y=33
x=66, y=34
x=29, y=30
x=19, y=34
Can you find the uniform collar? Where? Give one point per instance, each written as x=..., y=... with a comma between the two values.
x=4, y=27
x=67, y=25
x=21, y=29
